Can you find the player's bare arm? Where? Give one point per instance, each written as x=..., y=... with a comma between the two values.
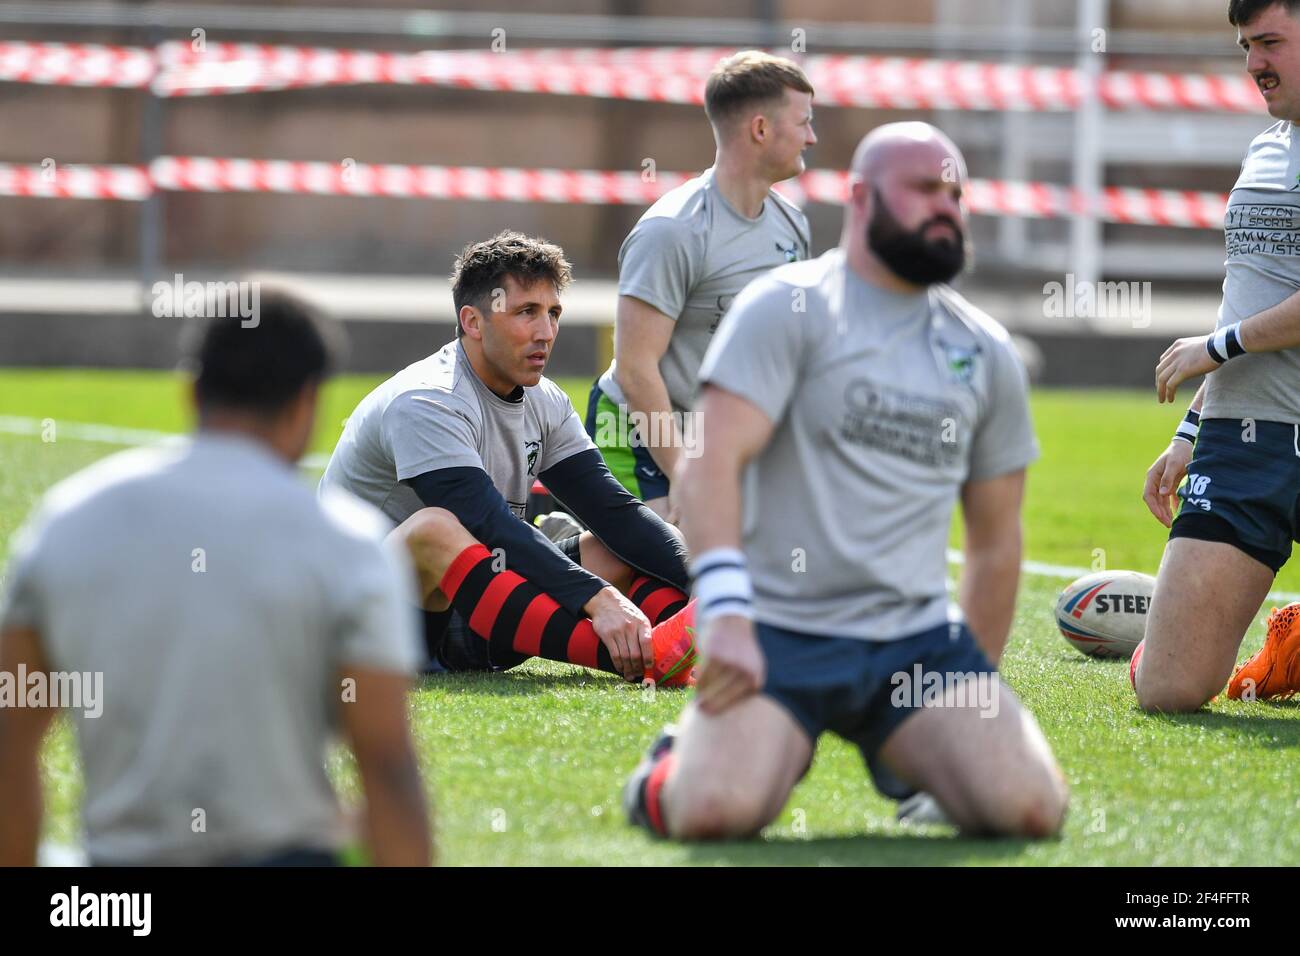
x=396, y=820
x=21, y=731
x=641, y=334
x=1167, y=472
x=1272, y=330
x=734, y=431
x=1186, y=358
x=992, y=545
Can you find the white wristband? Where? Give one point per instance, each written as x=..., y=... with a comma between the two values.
x=722, y=585
x=1189, y=427
x=1225, y=343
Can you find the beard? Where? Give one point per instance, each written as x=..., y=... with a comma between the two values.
x=909, y=255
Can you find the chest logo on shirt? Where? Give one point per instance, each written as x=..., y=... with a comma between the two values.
x=791, y=254
x=1270, y=229
x=913, y=427
x=724, y=303
x=959, y=360
x=533, y=448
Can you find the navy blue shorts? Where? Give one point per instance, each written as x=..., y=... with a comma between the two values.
x=1242, y=492
x=857, y=689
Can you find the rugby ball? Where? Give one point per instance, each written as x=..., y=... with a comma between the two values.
x=1105, y=614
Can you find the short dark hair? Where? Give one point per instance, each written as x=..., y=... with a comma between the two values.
x=1241, y=12
x=748, y=78
x=481, y=267
x=262, y=362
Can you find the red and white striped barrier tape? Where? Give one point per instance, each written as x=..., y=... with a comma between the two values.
x=990, y=197
x=199, y=174
x=1158, y=207
x=661, y=74
x=676, y=75
x=76, y=64
x=76, y=182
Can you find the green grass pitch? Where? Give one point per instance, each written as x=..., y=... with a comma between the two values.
x=526, y=767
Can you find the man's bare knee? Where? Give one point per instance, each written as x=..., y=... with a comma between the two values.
x=995, y=777
x=1170, y=700
x=1206, y=595
x=713, y=812
x=1167, y=693
x=734, y=770
x=433, y=536
x=603, y=563
x=1043, y=812
x=1034, y=806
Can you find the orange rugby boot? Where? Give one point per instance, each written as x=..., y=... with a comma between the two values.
x=1273, y=673
x=674, y=645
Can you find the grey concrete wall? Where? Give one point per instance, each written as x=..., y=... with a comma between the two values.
x=121, y=340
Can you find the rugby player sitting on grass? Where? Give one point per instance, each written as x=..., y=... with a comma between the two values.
x=449, y=447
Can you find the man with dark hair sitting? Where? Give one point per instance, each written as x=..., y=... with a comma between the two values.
x=449, y=448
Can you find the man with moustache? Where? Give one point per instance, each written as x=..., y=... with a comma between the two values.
x=1239, y=445
x=867, y=397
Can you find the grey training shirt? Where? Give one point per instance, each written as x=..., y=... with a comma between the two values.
x=1262, y=232
x=438, y=414
x=688, y=256
x=219, y=600
x=883, y=406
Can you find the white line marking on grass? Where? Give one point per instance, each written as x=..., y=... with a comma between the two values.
x=1042, y=570
x=113, y=435
x=80, y=431
x=1031, y=567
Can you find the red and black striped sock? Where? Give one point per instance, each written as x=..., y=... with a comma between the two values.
x=653, y=793
x=657, y=601
x=512, y=614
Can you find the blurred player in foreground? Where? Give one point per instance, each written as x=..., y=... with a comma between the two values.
x=236, y=623
x=860, y=398
x=687, y=258
x=1241, y=503
x=449, y=448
